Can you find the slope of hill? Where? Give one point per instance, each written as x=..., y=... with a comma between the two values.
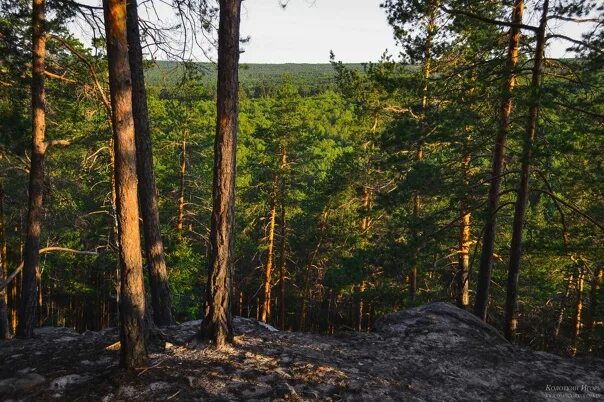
x=166, y=73
x=436, y=352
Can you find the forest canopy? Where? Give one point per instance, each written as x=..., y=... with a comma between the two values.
x=464, y=166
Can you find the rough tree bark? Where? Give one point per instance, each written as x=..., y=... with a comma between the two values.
x=147, y=190
x=217, y=325
x=488, y=239
x=511, y=301
x=29, y=287
x=132, y=295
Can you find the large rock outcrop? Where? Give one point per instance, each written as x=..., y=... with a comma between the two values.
x=435, y=352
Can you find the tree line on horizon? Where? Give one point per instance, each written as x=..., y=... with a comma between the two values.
x=474, y=177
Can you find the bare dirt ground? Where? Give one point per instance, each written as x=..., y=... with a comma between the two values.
x=430, y=353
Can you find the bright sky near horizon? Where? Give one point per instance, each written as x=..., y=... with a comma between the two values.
x=306, y=30
x=356, y=30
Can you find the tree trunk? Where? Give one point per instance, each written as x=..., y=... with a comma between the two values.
x=366, y=208
x=488, y=240
x=576, y=328
x=268, y=270
x=282, y=262
x=594, y=294
x=564, y=303
x=217, y=326
x=311, y=260
x=361, y=311
x=463, y=261
x=132, y=295
x=14, y=299
x=29, y=288
x=147, y=190
x=4, y=329
x=181, y=197
x=419, y=154
x=511, y=302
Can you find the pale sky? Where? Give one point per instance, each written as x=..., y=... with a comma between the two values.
x=305, y=31
x=356, y=30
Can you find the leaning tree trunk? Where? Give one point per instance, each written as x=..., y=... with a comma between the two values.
x=132, y=294
x=511, y=301
x=481, y=302
x=147, y=191
x=31, y=258
x=4, y=328
x=217, y=325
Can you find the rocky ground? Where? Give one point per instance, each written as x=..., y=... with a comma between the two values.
x=431, y=353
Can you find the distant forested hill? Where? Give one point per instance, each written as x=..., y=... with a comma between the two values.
x=165, y=73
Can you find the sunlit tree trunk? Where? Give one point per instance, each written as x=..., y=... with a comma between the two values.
x=14, y=299
x=283, y=244
x=147, y=190
x=29, y=288
x=576, y=327
x=366, y=208
x=564, y=303
x=132, y=295
x=511, y=302
x=268, y=269
x=4, y=328
x=183, y=174
x=463, y=260
x=419, y=153
x=488, y=239
x=311, y=260
x=361, y=310
x=217, y=325
x=594, y=294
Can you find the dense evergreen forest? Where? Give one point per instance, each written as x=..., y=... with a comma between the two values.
x=465, y=166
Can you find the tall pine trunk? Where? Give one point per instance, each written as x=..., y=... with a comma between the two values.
x=282, y=264
x=511, y=301
x=132, y=295
x=488, y=239
x=180, y=221
x=463, y=263
x=147, y=190
x=419, y=153
x=31, y=258
x=4, y=328
x=268, y=269
x=217, y=325
x=283, y=236
x=594, y=294
x=577, y=318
